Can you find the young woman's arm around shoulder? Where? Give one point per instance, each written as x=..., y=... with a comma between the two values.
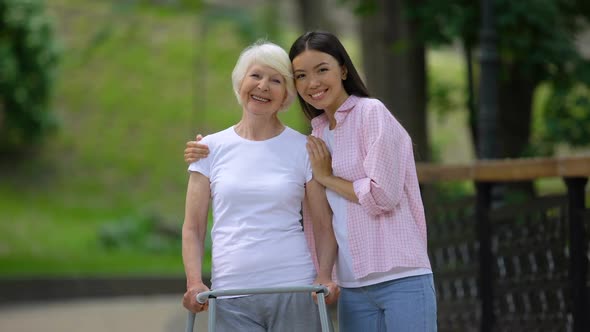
x=194, y=231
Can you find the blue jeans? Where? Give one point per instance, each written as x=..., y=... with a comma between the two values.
x=406, y=304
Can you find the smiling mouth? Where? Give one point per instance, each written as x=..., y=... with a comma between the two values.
x=260, y=99
x=318, y=95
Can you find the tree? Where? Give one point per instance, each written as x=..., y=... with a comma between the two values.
x=28, y=64
x=313, y=15
x=535, y=46
x=395, y=65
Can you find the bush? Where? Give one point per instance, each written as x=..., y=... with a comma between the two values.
x=28, y=63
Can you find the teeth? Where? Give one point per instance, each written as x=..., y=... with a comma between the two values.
x=260, y=99
x=317, y=94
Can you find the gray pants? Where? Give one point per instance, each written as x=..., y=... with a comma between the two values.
x=291, y=312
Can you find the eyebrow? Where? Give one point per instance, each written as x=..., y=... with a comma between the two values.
x=318, y=65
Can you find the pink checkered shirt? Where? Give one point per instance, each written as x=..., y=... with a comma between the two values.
x=371, y=149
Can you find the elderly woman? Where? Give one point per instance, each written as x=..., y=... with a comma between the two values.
x=257, y=175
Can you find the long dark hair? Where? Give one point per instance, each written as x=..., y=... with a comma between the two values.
x=326, y=42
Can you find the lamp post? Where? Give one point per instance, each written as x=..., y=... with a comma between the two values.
x=488, y=87
x=487, y=149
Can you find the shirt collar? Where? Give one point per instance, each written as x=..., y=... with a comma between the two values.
x=341, y=112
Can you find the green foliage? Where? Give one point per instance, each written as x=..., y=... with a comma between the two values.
x=447, y=192
x=28, y=64
x=442, y=22
x=362, y=7
x=535, y=38
x=250, y=25
x=140, y=233
x=567, y=114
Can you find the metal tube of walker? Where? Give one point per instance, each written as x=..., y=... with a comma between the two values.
x=212, y=295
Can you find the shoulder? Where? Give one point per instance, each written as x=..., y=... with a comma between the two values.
x=375, y=114
x=372, y=107
x=371, y=113
x=219, y=137
x=292, y=144
x=294, y=135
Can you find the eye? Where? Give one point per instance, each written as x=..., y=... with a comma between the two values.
x=277, y=80
x=323, y=69
x=255, y=75
x=299, y=76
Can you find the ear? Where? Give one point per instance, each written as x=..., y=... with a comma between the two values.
x=344, y=73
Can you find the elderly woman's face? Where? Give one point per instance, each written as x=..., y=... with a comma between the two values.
x=263, y=90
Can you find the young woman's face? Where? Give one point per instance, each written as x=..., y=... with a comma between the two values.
x=318, y=79
x=263, y=90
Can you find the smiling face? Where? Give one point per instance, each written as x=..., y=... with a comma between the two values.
x=318, y=79
x=263, y=90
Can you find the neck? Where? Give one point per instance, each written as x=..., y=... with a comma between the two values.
x=331, y=112
x=331, y=119
x=259, y=128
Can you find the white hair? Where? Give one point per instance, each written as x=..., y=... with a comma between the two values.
x=268, y=54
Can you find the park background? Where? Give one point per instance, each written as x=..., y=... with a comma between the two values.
x=134, y=82
x=95, y=186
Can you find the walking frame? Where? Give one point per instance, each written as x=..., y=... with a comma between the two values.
x=321, y=291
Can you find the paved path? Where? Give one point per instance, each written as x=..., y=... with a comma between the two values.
x=163, y=313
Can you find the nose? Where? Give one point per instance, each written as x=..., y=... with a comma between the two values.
x=263, y=84
x=314, y=82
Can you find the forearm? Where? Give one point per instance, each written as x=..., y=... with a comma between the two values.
x=192, y=255
x=326, y=250
x=194, y=228
x=342, y=187
x=323, y=232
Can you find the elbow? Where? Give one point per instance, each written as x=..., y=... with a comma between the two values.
x=377, y=205
x=371, y=197
x=192, y=232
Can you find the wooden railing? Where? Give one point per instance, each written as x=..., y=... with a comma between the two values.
x=521, y=266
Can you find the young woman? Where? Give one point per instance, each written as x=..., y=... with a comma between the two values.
x=257, y=176
x=363, y=157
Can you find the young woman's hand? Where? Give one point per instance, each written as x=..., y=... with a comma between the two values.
x=195, y=151
x=320, y=158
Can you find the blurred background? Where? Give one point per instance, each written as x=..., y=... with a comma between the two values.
x=97, y=99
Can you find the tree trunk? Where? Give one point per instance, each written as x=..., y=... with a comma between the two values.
x=314, y=16
x=471, y=98
x=395, y=66
x=514, y=114
x=514, y=126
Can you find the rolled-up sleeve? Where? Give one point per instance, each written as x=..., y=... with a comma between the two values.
x=388, y=147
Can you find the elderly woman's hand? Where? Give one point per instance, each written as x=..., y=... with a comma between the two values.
x=189, y=301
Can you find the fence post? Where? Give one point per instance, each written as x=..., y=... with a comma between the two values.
x=578, y=267
x=484, y=236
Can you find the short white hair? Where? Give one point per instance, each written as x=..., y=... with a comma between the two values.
x=268, y=54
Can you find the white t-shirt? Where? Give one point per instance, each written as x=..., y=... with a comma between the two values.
x=257, y=188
